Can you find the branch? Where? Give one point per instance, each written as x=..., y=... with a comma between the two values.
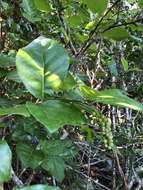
x=123, y=24
x=89, y=41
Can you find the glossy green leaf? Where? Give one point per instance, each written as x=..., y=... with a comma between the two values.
x=37, y=187
x=29, y=156
x=16, y=110
x=111, y=96
x=97, y=6
x=118, y=34
x=42, y=5
x=125, y=64
x=5, y=162
x=42, y=65
x=54, y=114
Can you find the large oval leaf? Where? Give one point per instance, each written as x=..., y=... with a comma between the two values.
x=42, y=65
x=111, y=96
x=37, y=187
x=54, y=114
x=5, y=162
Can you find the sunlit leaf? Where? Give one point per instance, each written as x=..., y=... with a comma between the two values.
x=125, y=64
x=5, y=162
x=42, y=5
x=111, y=96
x=42, y=65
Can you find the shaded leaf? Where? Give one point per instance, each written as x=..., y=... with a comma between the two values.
x=56, y=167
x=54, y=114
x=5, y=162
x=13, y=76
x=29, y=156
x=42, y=65
x=118, y=34
x=111, y=96
x=6, y=61
x=30, y=11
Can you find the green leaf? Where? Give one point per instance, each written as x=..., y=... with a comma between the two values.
x=29, y=156
x=118, y=34
x=6, y=61
x=42, y=65
x=5, y=162
x=12, y=75
x=56, y=167
x=97, y=6
x=54, y=114
x=111, y=96
x=30, y=11
x=37, y=187
x=140, y=3
x=57, y=152
x=16, y=110
x=42, y=5
x=125, y=64
x=69, y=83
x=58, y=148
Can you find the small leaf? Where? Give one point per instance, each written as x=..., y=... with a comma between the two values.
x=125, y=64
x=6, y=61
x=56, y=166
x=54, y=114
x=16, y=110
x=37, y=187
x=111, y=96
x=69, y=83
x=29, y=156
x=42, y=65
x=118, y=34
x=96, y=5
x=42, y=5
x=5, y=162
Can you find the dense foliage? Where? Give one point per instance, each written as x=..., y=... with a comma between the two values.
x=71, y=94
